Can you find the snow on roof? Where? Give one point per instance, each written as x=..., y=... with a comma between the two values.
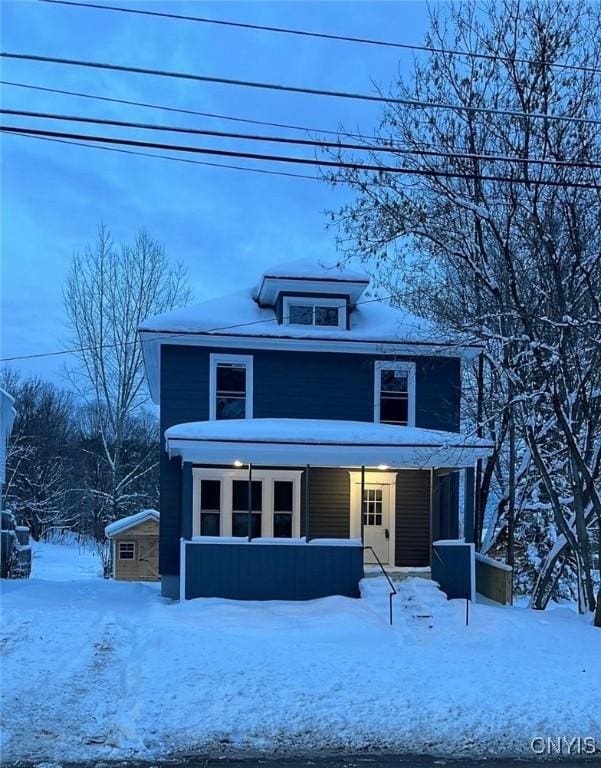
x=375, y=326
x=238, y=314
x=310, y=269
x=329, y=431
x=286, y=442
x=129, y=522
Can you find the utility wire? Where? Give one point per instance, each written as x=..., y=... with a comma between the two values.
x=305, y=129
x=413, y=103
x=181, y=110
x=175, y=159
x=457, y=200
x=298, y=160
x=321, y=144
x=177, y=335
x=325, y=35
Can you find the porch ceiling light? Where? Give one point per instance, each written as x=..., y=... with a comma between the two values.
x=383, y=466
x=238, y=463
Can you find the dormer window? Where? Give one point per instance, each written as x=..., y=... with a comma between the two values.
x=314, y=311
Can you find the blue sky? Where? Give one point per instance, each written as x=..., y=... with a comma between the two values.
x=225, y=225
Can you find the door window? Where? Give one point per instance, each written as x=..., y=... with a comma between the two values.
x=372, y=506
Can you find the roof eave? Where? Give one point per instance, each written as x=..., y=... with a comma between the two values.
x=325, y=454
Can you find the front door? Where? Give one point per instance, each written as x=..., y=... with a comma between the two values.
x=376, y=523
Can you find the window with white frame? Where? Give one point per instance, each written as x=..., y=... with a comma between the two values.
x=127, y=550
x=240, y=508
x=394, y=393
x=283, y=508
x=210, y=508
x=221, y=502
x=321, y=313
x=231, y=387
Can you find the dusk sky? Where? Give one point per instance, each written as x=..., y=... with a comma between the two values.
x=225, y=225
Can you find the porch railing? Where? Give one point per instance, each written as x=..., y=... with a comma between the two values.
x=393, y=591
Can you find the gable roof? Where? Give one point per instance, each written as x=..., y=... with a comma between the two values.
x=130, y=522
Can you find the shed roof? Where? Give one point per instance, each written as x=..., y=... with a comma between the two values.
x=131, y=521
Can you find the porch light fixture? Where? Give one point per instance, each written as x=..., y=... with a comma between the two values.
x=238, y=463
x=382, y=467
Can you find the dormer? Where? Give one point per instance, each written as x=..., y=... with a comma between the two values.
x=306, y=294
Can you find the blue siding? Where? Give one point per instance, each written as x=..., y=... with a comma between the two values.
x=272, y=571
x=318, y=385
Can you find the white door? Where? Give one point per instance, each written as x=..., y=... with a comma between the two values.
x=376, y=518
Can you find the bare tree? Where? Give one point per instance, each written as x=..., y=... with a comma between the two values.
x=39, y=457
x=109, y=291
x=506, y=251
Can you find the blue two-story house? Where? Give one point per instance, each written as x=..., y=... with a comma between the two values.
x=308, y=427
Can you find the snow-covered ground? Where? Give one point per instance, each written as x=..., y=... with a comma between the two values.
x=94, y=669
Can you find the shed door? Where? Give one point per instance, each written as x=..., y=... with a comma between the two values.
x=376, y=525
x=148, y=556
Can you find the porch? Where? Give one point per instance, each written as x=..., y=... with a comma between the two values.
x=291, y=509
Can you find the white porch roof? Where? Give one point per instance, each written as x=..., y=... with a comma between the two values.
x=323, y=443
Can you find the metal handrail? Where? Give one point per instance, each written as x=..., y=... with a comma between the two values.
x=393, y=591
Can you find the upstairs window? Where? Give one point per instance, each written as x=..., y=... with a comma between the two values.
x=316, y=312
x=394, y=393
x=231, y=387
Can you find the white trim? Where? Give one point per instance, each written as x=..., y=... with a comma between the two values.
x=374, y=478
x=314, y=301
x=271, y=285
x=182, y=569
x=395, y=365
x=327, y=455
x=473, y=565
x=225, y=476
x=247, y=361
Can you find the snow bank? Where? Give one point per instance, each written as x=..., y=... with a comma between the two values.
x=116, y=672
x=65, y=562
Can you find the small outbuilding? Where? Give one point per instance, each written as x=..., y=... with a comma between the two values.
x=135, y=546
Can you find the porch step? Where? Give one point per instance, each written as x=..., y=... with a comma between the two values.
x=397, y=574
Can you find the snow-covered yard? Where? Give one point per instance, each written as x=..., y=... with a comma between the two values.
x=94, y=669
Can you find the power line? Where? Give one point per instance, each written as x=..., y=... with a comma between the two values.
x=413, y=103
x=327, y=36
x=180, y=110
x=321, y=144
x=299, y=160
x=174, y=335
x=188, y=160
x=455, y=151
x=175, y=159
